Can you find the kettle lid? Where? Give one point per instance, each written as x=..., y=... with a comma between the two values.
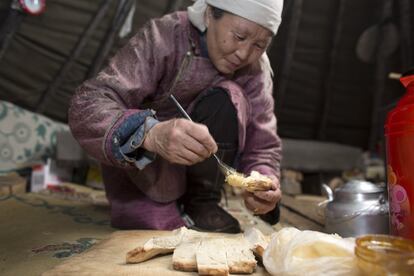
x=359, y=187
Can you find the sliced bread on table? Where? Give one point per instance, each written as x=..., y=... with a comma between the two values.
x=202, y=252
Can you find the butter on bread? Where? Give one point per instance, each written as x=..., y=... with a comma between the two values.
x=254, y=182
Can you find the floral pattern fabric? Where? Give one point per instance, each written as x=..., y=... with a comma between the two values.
x=25, y=137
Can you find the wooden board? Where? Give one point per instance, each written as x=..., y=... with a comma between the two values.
x=108, y=258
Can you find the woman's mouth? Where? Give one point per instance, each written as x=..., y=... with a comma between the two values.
x=232, y=65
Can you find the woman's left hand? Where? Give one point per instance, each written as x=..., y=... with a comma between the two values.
x=262, y=202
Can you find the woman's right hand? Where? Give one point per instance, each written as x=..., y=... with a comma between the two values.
x=180, y=141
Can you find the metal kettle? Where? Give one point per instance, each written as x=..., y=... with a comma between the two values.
x=356, y=208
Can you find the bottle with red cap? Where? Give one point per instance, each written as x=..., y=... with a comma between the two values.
x=399, y=132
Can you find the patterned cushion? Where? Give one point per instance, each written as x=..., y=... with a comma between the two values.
x=25, y=137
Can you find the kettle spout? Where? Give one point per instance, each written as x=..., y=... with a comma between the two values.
x=328, y=191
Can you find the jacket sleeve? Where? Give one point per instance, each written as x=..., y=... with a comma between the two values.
x=104, y=112
x=262, y=151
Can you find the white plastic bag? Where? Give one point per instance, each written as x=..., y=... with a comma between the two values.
x=295, y=252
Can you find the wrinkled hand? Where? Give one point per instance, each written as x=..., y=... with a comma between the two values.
x=180, y=141
x=262, y=202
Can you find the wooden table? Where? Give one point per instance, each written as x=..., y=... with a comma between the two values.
x=38, y=232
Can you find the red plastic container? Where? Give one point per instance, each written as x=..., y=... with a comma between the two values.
x=399, y=132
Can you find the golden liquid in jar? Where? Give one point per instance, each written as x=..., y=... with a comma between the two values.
x=385, y=255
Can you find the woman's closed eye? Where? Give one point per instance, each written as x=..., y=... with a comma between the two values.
x=260, y=46
x=239, y=37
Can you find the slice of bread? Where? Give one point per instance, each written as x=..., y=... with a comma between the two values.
x=184, y=257
x=211, y=257
x=254, y=182
x=156, y=246
x=258, y=242
x=240, y=258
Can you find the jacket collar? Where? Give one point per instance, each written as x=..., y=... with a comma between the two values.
x=195, y=39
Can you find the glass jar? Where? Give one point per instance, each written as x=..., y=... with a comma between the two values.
x=379, y=255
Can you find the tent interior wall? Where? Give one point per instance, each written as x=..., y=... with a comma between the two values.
x=337, y=66
x=331, y=60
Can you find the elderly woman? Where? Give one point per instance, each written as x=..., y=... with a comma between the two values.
x=157, y=167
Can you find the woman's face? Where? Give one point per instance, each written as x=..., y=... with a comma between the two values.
x=234, y=42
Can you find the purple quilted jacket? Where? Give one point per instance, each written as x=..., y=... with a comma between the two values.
x=163, y=58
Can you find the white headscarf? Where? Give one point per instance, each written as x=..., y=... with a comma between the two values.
x=266, y=13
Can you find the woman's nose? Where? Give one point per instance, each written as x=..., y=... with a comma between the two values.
x=243, y=52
